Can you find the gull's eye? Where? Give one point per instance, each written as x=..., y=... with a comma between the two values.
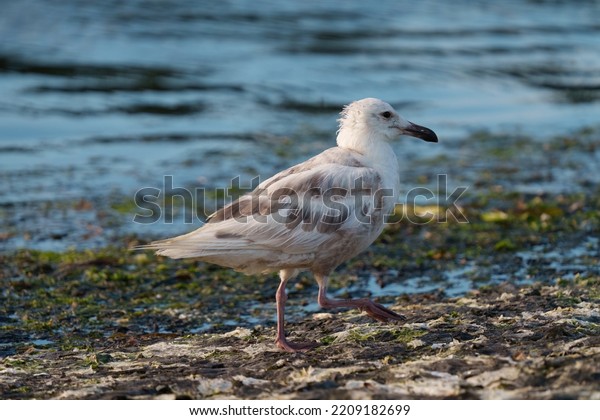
x=386, y=114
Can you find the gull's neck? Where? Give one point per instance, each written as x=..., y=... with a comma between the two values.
x=377, y=153
x=375, y=150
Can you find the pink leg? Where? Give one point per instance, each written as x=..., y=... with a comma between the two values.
x=374, y=310
x=281, y=297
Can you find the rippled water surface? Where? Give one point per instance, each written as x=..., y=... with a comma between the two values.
x=101, y=97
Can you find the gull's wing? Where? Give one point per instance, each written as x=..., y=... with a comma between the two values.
x=293, y=212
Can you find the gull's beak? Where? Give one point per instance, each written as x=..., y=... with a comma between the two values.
x=420, y=132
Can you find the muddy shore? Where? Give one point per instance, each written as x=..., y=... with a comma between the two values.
x=504, y=342
x=505, y=306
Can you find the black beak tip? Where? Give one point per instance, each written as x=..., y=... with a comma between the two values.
x=433, y=138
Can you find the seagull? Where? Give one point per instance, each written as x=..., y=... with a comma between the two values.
x=312, y=216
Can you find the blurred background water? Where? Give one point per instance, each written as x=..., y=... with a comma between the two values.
x=105, y=97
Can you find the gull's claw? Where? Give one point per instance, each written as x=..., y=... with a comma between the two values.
x=285, y=345
x=374, y=310
x=381, y=313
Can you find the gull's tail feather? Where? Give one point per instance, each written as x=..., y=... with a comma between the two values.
x=227, y=250
x=195, y=245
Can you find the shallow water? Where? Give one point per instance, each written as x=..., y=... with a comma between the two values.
x=100, y=98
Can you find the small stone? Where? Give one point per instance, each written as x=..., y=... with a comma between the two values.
x=208, y=387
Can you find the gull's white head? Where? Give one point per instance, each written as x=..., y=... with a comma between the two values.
x=371, y=120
